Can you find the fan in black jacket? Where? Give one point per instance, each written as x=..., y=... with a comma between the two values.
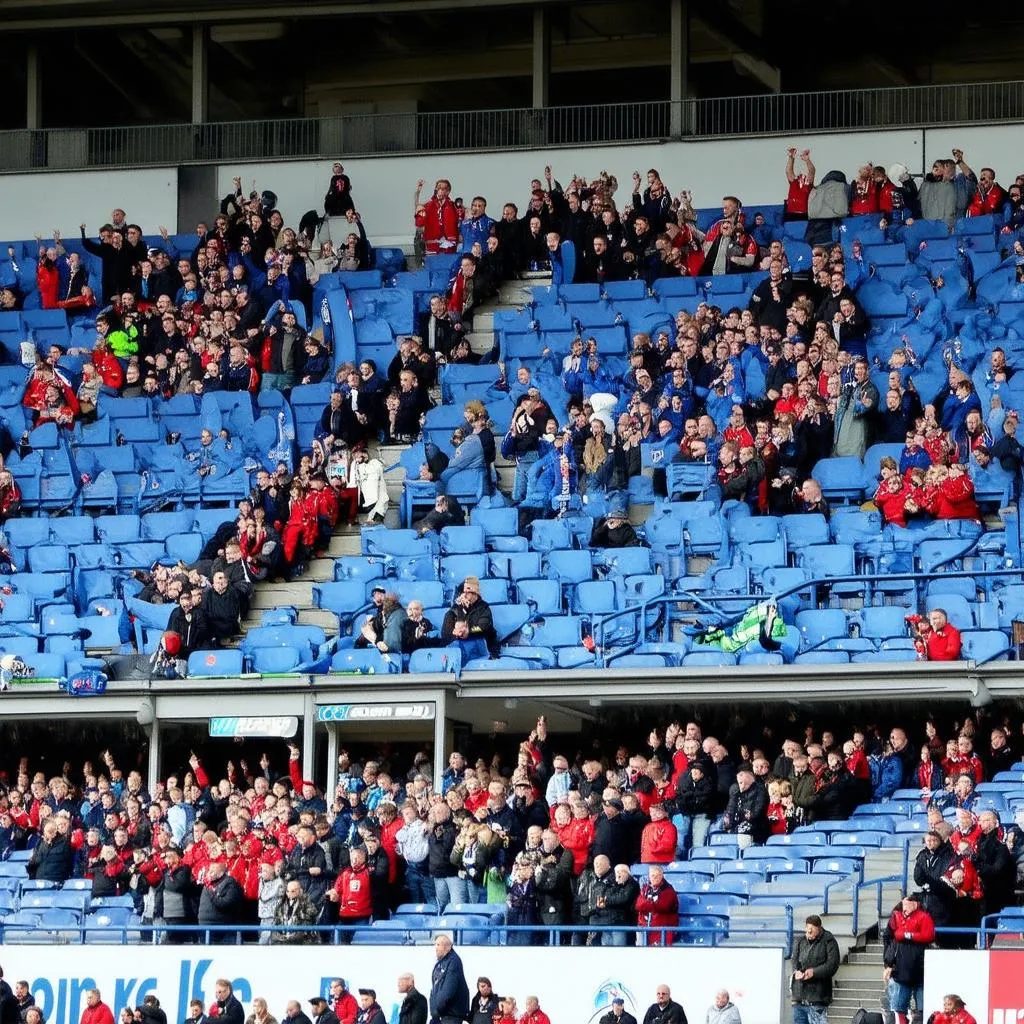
x=435, y=328
x=190, y=624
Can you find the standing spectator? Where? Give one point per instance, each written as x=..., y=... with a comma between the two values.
x=723, y=1010
x=664, y=1010
x=617, y=1014
x=271, y=894
x=449, y=994
x=294, y=910
x=10, y=1011
x=995, y=865
x=522, y=903
x=747, y=812
x=553, y=876
x=909, y=931
x=658, y=839
x=353, y=892
x=97, y=1012
x=440, y=844
x=657, y=906
x=937, y=638
x=930, y=868
x=438, y=217
x=815, y=962
x=51, y=857
x=221, y=903
x=338, y=200
x=485, y=1006
x=414, y=1006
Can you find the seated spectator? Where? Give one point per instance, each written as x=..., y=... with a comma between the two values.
x=446, y=512
x=468, y=623
x=384, y=630
x=417, y=629
x=614, y=531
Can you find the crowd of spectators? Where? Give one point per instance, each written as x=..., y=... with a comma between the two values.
x=583, y=840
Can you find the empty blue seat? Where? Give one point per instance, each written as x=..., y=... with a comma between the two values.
x=365, y=661
x=227, y=663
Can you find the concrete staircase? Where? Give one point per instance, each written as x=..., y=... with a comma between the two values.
x=859, y=980
x=513, y=295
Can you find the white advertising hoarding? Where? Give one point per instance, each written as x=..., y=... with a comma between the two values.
x=574, y=985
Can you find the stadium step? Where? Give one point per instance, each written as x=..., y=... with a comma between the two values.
x=276, y=595
x=344, y=544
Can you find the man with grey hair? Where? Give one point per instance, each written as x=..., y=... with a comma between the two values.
x=995, y=865
x=722, y=1010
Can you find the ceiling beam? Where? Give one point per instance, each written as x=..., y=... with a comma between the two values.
x=25, y=17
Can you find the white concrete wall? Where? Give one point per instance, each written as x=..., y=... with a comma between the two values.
x=32, y=204
x=750, y=168
x=383, y=186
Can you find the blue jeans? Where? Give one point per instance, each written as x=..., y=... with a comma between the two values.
x=419, y=886
x=810, y=1014
x=701, y=826
x=524, y=463
x=457, y=890
x=617, y=938
x=900, y=995
x=442, y=894
x=277, y=381
x=474, y=648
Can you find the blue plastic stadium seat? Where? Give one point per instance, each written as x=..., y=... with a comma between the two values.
x=226, y=663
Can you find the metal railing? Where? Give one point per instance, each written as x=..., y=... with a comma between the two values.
x=353, y=135
x=663, y=608
x=410, y=933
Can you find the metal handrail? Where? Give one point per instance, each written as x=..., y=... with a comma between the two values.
x=393, y=134
x=705, y=601
x=143, y=933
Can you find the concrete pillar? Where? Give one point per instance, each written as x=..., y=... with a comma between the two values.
x=541, y=57
x=332, y=763
x=153, y=765
x=34, y=81
x=200, y=74
x=440, y=736
x=308, y=737
x=679, y=51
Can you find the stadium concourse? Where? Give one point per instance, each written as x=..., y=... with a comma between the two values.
x=674, y=458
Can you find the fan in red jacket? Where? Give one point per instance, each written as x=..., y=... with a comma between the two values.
x=96, y=1011
x=48, y=278
x=658, y=839
x=657, y=906
x=891, y=498
x=953, y=1012
x=576, y=835
x=352, y=890
x=937, y=639
x=439, y=218
x=956, y=496
x=967, y=834
x=965, y=761
x=989, y=197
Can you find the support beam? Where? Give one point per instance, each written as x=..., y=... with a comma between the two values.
x=440, y=736
x=200, y=74
x=679, y=59
x=153, y=765
x=332, y=763
x=541, y=57
x=308, y=737
x=34, y=83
